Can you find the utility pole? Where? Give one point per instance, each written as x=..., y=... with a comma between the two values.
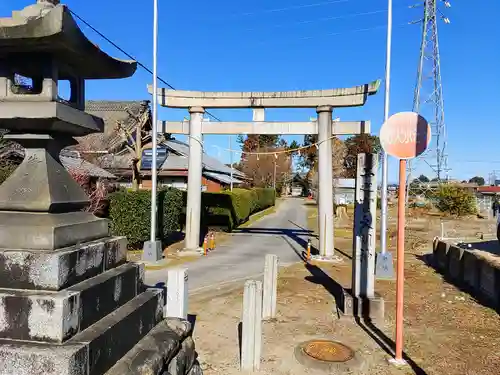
x=428, y=95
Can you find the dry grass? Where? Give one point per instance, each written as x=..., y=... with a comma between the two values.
x=446, y=331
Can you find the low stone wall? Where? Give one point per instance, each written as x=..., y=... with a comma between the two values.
x=469, y=269
x=168, y=349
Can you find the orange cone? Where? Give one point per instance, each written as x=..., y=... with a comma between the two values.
x=212, y=241
x=205, y=245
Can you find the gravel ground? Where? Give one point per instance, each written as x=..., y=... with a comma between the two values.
x=446, y=330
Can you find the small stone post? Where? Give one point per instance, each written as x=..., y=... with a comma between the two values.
x=251, y=341
x=177, y=293
x=363, y=260
x=270, y=287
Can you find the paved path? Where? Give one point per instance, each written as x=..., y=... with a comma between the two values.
x=282, y=233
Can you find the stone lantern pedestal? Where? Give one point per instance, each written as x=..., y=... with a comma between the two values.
x=70, y=304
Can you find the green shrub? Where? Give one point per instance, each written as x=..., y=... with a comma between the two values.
x=130, y=214
x=230, y=209
x=266, y=198
x=455, y=200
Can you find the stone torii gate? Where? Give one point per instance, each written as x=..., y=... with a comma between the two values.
x=323, y=100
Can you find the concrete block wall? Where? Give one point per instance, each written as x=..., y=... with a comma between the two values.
x=469, y=269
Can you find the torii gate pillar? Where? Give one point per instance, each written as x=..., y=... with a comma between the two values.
x=325, y=198
x=195, y=167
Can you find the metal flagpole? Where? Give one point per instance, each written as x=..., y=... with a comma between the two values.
x=385, y=259
x=154, y=169
x=231, y=158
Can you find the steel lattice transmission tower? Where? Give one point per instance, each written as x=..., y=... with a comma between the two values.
x=428, y=96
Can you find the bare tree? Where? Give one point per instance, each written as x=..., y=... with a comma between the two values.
x=267, y=170
x=339, y=153
x=136, y=142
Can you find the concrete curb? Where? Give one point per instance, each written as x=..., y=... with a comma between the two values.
x=469, y=270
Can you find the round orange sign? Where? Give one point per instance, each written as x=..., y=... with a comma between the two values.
x=405, y=135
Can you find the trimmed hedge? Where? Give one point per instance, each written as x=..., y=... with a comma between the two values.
x=265, y=197
x=130, y=211
x=230, y=209
x=130, y=214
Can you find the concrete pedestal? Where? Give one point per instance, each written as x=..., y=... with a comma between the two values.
x=372, y=308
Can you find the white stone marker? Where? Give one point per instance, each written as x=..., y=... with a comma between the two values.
x=270, y=287
x=177, y=293
x=251, y=340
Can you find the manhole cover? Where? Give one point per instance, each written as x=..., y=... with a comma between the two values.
x=328, y=351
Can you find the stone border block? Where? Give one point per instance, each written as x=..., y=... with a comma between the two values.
x=440, y=255
x=184, y=360
x=112, y=337
x=471, y=267
x=455, y=263
x=489, y=281
x=161, y=347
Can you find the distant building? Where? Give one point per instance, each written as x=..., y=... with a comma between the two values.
x=173, y=155
x=344, y=190
x=173, y=169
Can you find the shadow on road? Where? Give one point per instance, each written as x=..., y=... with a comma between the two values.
x=338, y=292
x=299, y=236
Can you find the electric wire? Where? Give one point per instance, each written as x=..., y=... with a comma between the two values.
x=276, y=152
x=292, y=7
x=322, y=19
x=130, y=56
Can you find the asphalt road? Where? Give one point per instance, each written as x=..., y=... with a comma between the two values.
x=282, y=233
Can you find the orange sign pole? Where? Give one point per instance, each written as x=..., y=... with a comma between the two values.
x=404, y=135
x=400, y=277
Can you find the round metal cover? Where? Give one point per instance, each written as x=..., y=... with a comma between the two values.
x=328, y=351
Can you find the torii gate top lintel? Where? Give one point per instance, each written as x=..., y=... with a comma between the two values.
x=342, y=97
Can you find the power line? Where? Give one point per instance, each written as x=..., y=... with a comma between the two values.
x=293, y=7
x=323, y=19
x=130, y=56
x=276, y=152
x=379, y=27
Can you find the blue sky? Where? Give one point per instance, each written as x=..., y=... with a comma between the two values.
x=266, y=46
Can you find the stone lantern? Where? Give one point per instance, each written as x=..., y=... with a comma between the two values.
x=70, y=304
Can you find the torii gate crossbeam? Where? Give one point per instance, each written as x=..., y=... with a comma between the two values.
x=264, y=127
x=323, y=100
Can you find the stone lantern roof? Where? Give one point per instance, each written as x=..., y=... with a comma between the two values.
x=48, y=27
